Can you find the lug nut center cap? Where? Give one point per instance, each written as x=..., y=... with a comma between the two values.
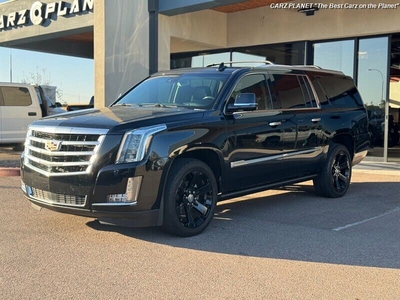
x=190, y=198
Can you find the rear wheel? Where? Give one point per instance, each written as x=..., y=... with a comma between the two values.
x=190, y=197
x=334, y=178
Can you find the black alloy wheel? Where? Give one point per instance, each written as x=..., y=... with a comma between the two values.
x=190, y=197
x=341, y=172
x=334, y=178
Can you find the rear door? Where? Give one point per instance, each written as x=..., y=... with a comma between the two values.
x=17, y=112
x=302, y=138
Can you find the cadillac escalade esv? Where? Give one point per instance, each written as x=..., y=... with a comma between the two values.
x=180, y=141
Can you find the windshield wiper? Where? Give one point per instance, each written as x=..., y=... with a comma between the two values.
x=158, y=105
x=122, y=104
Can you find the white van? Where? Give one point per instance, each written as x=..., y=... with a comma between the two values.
x=20, y=104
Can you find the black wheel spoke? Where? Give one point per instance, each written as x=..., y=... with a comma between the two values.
x=203, y=190
x=196, y=180
x=201, y=208
x=189, y=217
x=337, y=183
x=344, y=165
x=344, y=178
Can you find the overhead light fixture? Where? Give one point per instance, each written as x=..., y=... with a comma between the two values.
x=308, y=11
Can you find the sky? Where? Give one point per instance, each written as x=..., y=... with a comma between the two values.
x=73, y=76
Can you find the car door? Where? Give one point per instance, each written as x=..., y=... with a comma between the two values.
x=302, y=138
x=18, y=111
x=256, y=150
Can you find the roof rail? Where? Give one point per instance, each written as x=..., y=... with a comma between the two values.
x=308, y=66
x=267, y=62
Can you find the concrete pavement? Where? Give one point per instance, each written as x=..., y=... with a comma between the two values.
x=9, y=161
x=280, y=244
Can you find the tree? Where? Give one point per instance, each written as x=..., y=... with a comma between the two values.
x=41, y=78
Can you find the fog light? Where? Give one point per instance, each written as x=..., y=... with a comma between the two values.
x=131, y=193
x=117, y=198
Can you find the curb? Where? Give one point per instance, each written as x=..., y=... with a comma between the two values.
x=5, y=172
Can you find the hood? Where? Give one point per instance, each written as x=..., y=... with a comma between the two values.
x=120, y=118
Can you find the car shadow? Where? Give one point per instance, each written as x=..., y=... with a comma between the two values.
x=295, y=223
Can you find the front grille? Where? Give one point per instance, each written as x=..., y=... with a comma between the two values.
x=61, y=151
x=53, y=198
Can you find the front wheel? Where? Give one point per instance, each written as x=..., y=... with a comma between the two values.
x=190, y=197
x=334, y=178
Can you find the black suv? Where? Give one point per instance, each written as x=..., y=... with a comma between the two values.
x=171, y=147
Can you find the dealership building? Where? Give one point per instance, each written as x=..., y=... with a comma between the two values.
x=130, y=39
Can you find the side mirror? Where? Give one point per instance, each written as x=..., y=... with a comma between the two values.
x=243, y=102
x=58, y=104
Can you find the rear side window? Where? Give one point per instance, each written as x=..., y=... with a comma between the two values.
x=340, y=90
x=15, y=96
x=290, y=91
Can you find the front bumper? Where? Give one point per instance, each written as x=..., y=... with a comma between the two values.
x=86, y=195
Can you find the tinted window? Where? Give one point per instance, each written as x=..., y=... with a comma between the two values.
x=291, y=91
x=16, y=96
x=341, y=91
x=254, y=84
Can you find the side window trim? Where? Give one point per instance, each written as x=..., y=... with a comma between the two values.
x=302, y=88
x=314, y=93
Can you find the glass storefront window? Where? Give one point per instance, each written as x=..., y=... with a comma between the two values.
x=338, y=55
x=207, y=59
x=372, y=83
x=285, y=54
x=191, y=60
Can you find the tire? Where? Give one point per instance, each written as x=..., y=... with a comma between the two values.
x=190, y=198
x=334, y=178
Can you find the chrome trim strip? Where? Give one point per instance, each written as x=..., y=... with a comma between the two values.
x=113, y=204
x=57, y=164
x=39, y=140
x=240, y=163
x=68, y=130
x=59, y=153
x=317, y=100
x=47, y=174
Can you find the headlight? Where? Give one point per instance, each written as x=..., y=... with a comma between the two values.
x=135, y=143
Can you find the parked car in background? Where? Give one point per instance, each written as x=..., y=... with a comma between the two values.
x=54, y=108
x=377, y=128
x=73, y=107
x=172, y=146
x=21, y=104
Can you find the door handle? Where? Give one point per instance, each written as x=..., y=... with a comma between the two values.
x=274, y=124
x=315, y=120
x=31, y=113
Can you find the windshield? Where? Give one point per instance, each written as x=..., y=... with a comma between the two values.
x=185, y=90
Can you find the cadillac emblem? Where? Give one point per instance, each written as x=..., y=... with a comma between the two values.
x=52, y=145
